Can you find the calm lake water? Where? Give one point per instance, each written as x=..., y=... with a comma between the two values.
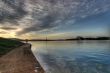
x=73, y=57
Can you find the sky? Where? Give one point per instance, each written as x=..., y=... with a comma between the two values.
x=56, y=19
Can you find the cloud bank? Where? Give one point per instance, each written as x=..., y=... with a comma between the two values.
x=38, y=15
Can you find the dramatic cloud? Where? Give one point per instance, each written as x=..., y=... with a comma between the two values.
x=8, y=28
x=3, y=32
x=11, y=10
x=38, y=15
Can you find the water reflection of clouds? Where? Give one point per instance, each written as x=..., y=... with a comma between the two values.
x=71, y=57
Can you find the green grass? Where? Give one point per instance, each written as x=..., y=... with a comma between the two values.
x=7, y=45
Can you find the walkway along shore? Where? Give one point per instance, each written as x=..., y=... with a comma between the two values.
x=20, y=60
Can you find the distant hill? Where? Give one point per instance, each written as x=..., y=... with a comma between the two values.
x=90, y=38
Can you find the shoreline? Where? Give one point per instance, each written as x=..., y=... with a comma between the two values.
x=20, y=60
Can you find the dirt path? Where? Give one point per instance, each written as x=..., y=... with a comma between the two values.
x=20, y=60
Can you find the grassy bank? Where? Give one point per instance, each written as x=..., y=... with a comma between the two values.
x=7, y=45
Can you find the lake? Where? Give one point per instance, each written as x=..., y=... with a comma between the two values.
x=73, y=56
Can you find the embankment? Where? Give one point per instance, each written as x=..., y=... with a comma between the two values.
x=20, y=60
